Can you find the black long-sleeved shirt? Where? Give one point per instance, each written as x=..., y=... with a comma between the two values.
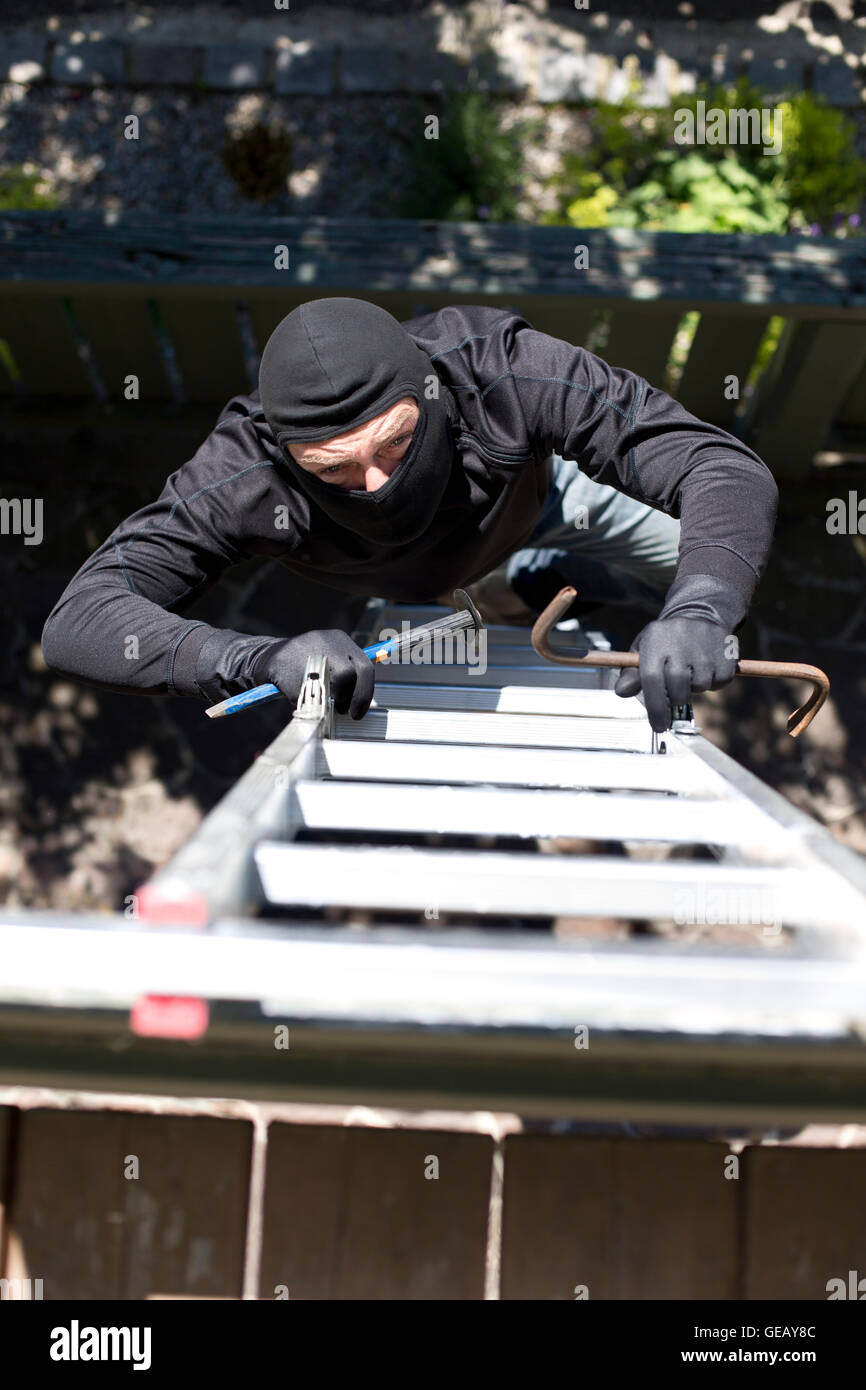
x=521, y=395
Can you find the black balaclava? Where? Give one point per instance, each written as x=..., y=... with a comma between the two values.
x=330, y=366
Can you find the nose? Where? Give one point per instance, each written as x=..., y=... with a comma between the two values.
x=375, y=477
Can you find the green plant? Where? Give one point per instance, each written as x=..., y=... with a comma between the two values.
x=690, y=193
x=595, y=201
x=22, y=189
x=825, y=178
x=633, y=174
x=471, y=168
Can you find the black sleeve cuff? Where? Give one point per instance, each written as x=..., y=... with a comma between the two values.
x=736, y=579
x=183, y=658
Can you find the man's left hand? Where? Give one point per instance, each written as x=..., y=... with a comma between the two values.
x=678, y=657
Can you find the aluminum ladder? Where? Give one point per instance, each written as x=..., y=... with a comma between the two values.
x=380, y=887
x=525, y=750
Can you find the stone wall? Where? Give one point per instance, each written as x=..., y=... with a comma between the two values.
x=557, y=56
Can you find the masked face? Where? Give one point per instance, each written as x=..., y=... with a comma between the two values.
x=334, y=365
x=364, y=459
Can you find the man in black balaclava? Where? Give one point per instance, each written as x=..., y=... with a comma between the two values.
x=399, y=461
x=333, y=366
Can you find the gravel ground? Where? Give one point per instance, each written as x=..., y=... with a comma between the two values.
x=340, y=160
x=350, y=157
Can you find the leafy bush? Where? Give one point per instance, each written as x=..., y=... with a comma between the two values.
x=690, y=193
x=824, y=177
x=634, y=175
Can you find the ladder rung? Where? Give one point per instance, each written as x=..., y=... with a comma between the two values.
x=381, y=806
x=510, y=699
x=545, y=885
x=528, y=767
x=508, y=730
x=557, y=677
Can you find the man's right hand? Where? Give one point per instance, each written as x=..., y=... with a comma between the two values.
x=351, y=672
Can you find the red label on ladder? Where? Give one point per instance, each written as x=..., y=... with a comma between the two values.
x=169, y=1016
x=157, y=908
x=165, y=1015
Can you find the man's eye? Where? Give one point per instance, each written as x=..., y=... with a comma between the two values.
x=332, y=468
x=401, y=438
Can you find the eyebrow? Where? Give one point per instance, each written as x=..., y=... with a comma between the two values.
x=392, y=430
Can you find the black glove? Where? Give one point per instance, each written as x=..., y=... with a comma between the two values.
x=230, y=662
x=352, y=673
x=690, y=647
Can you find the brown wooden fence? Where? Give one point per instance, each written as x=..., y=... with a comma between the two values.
x=267, y=1204
x=185, y=305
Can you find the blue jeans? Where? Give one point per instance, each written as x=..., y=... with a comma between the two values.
x=611, y=548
